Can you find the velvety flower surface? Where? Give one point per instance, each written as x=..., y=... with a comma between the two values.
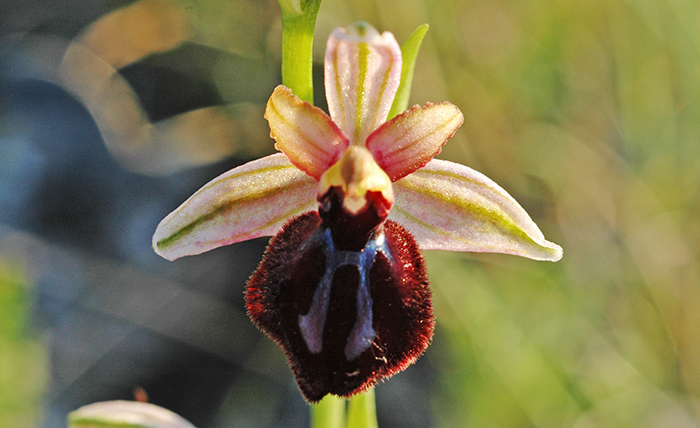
x=350, y=201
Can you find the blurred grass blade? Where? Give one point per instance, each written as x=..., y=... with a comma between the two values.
x=131, y=33
x=409, y=52
x=362, y=411
x=328, y=413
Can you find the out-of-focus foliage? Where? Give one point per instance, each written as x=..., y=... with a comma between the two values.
x=120, y=67
x=23, y=362
x=588, y=113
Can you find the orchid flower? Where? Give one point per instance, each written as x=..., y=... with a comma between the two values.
x=351, y=200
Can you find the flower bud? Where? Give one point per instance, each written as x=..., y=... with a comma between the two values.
x=125, y=414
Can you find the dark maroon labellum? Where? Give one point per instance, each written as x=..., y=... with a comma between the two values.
x=348, y=303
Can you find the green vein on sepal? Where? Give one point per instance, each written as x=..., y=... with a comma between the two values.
x=499, y=219
x=363, y=54
x=226, y=206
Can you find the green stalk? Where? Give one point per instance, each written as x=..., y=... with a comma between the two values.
x=362, y=411
x=328, y=413
x=298, y=24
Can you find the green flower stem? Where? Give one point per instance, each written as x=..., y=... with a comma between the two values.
x=362, y=411
x=409, y=53
x=298, y=23
x=328, y=413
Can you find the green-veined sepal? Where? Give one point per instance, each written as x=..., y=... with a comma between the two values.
x=247, y=202
x=448, y=206
x=362, y=74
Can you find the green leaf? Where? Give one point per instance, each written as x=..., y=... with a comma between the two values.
x=409, y=52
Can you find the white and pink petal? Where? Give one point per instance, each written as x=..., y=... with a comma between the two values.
x=125, y=414
x=448, y=206
x=303, y=132
x=410, y=140
x=362, y=74
x=255, y=199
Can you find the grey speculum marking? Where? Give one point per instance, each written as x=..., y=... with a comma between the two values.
x=311, y=324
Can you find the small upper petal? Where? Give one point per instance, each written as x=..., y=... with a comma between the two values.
x=249, y=201
x=303, y=132
x=413, y=138
x=362, y=74
x=448, y=206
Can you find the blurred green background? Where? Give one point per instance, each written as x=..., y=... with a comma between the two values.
x=588, y=113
